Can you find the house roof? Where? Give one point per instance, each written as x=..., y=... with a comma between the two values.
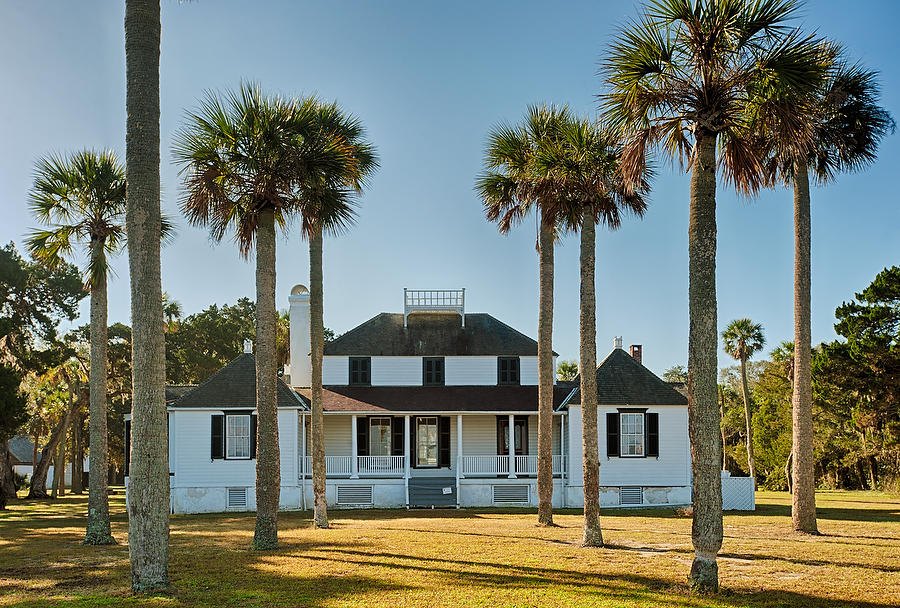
x=435, y=398
x=432, y=334
x=235, y=386
x=21, y=448
x=621, y=380
x=175, y=391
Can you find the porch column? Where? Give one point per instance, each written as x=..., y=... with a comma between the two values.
x=406, y=458
x=459, y=449
x=512, y=447
x=354, y=450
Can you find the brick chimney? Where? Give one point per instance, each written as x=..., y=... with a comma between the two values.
x=636, y=352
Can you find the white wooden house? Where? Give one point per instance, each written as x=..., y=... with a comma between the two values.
x=420, y=409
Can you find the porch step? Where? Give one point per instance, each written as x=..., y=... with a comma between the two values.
x=429, y=492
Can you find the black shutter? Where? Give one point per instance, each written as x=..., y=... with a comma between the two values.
x=362, y=436
x=652, y=429
x=523, y=420
x=217, y=437
x=612, y=434
x=501, y=447
x=443, y=441
x=252, y=436
x=127, y=446
x=397, y=436
x=413, y=431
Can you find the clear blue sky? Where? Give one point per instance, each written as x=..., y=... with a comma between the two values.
x=429, y=80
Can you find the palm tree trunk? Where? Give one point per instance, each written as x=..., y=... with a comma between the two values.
x=77, y=450
x=803, y=503
x=748, y=419
x=703, y=411
x=98, y=531
x=148, y=495
x=593, y=536
x=268, y=458
x=317, y=346
x=545, y=378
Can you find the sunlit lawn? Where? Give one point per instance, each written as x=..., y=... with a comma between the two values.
x=463, y=558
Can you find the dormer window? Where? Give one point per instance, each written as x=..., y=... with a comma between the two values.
x=360, y=371
x=508, y=371
x=433, y=371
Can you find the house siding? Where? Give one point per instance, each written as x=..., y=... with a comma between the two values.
x=336, y=371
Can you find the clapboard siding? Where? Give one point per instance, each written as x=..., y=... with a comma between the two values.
x=190, y=454
x=336, y=371
x=396, y=371
x=528, y=370
x=470, y=371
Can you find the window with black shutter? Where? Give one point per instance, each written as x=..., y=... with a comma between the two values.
x=127, y=446
x=362, y=436
x=508, y=370
x=444, y=442
x=397, y=431
x=252, y=436
x=520, y=435
x=433, y=371
x=360, y=371
x=612, y=434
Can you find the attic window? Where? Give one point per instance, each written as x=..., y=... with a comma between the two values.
x=433, y=371
x=508, y=370
x=360, y=371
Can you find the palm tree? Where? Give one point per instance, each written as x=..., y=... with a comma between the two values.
x=583, y=168
x=844, y=126
x=681, y=78
x=328, y=206
x=512, y=186
x=742, y=339
x=81, y=200
x=171, y=312
x=148, y=522
x=247, y=159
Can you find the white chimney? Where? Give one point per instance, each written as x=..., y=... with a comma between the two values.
x=301, y=362
x=617, y=342
x=248, y=347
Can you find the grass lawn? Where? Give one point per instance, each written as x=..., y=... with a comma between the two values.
x=463, y=559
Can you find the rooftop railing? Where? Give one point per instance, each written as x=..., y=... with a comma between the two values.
x=434, y=300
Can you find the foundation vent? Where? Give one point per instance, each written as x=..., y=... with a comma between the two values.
x=631, y=496
x=354, y=495
x=237, y=498
x=510, y=494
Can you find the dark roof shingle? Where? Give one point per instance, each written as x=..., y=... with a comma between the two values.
x=235, y=386
x=432, y=334
x=621, y=380
x=436, y=398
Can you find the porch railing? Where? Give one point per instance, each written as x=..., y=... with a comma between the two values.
x=334, y=465
x=499, y=464
x=390, y=466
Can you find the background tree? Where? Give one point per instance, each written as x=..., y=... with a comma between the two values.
x=676, y=373
x=843, y=126
x=148, y=523
x=13, y=414
x=587, y=189
x=742, y=339
x=329, y=196
x=246, y=159
x=567, y=370
x=511, y=186
x=687, y=77
x=171, y=312
x=81, y=200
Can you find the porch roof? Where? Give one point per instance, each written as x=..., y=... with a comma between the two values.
x=435, y=398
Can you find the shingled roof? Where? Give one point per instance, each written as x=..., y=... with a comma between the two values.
x=621, y=380
x=235, y=386
x=432, y=334
x=435, y=398
x=21, y=448
x=175, y=391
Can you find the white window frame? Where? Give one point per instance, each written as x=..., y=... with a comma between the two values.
x=372, y=424
x=420, y=422
x=638, y=435
x=232, y=438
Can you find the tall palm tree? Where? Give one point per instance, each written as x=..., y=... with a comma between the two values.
x=171, y=312
x=844, y=126
x=583, y=168
x=742, y=339
x=247, y=158
x=81, y=200
x=513, y=185
x=148, y=522
x=328, y=206
x=681, y=78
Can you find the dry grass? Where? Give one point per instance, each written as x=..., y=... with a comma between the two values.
x=464, y=559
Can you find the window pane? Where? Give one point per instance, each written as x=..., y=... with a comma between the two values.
x=380, y=437
x=237, y=436
x=426, y=441
x=632, y=434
